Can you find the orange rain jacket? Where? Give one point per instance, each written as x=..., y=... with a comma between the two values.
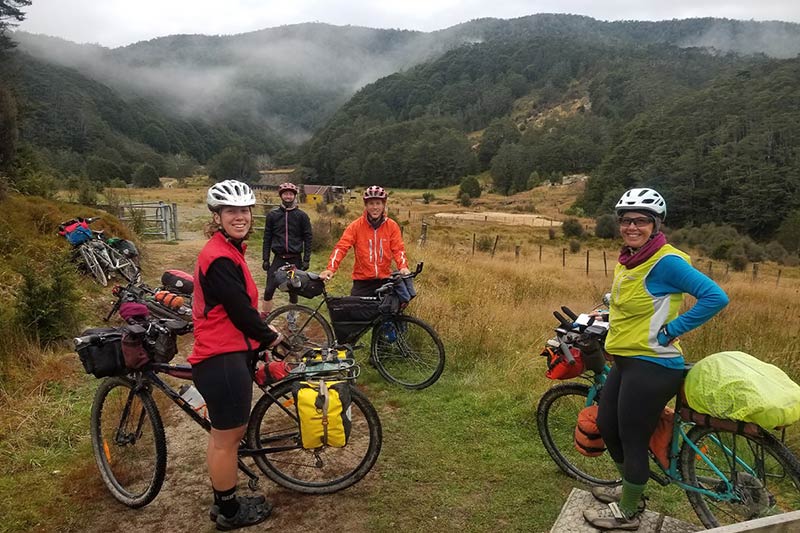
x=374, y=248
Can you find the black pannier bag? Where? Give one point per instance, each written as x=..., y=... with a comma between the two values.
x=307, y=285
x=350, y=315
x=100, y=351
x=177, y=281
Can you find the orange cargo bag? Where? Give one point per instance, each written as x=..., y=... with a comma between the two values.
x=588, y=440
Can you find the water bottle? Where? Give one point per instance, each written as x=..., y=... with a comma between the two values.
x=193, y=397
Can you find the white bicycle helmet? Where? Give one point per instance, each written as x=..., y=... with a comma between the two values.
x=230, y=193
x=643, y=199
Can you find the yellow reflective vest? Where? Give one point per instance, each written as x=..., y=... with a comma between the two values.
x=635, y=315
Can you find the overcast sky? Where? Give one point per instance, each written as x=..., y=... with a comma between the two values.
x=119, y=22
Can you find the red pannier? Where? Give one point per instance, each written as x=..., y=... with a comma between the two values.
x=178, y=281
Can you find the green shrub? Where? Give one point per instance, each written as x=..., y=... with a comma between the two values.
x=339, y=209
x=428, y=197
x=465, y=199
x=738, y=262
x=322, y=208
x=606, y=227
x=47, y=298
x=574, y=246
x=551, y=233
x=484, y=243
x=326, y=233
x=775, y=252
x=470, y=186
x=572, y=227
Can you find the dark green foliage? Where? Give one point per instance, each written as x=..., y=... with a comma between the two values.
x=499, y=132
x=572, y=227
x=574, y=246
x=428, y=197
x=103, y=170
x=339, y=209
x=233, y=163
x=789, y=232
x=606, y=227
x=46, y=296
x=146, y=176
x=8, y=127
x=739, y=262
x=10, y=14
x=727, y=153
x=326, y=234
x=484, y=243
x=465, y=199
x=470, y=186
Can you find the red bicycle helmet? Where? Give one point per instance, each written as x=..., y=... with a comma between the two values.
x=375, y=191
x=287, y=187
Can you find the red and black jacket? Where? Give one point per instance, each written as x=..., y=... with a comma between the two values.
x=225, y=303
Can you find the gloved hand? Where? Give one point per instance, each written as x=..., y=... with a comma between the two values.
x=663, y=337
x=265, y=265
x=304, y=265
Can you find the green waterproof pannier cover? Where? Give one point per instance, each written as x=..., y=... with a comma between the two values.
x=737, y=386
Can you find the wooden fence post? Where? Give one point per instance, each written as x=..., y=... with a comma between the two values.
x=563, y=258
x=496, y=238
x=710, y=268
x=605, y=264
x=516, y=252
x=779, y=278
x=755, y=271
x=587, y=263
x=473, y=244
x=540, y=253
x=423, y=237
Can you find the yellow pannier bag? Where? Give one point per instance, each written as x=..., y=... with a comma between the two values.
x=323, y=409
x=737, y=386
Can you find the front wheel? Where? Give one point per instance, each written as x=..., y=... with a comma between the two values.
x=764, y=475
x=90, y=259
x=407, y=351
x=128, y=441
x=302, y=326
x=556, y=417
x=125, y=266
x=274, y=426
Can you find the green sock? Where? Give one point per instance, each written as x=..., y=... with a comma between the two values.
x=631, y=496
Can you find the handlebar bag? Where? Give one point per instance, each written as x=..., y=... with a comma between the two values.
x=304, y=284
x=323, y=409
x=79, y=234
x=102, y=356
x=557, y=365
x=177, y=281
x=133, y=351
x=737, y=386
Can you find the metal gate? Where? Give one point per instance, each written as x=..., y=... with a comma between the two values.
x=151, y=219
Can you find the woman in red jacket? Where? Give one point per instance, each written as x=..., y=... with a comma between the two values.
x=377, y=240
x=227, y=332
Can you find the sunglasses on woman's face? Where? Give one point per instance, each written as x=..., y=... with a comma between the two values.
x=639, y=222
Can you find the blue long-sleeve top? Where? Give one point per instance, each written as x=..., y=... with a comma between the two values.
x=672, y=274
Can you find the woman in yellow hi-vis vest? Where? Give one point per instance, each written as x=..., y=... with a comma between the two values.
x=644, y=324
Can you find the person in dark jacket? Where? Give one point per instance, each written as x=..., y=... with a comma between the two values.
x=227, y=332
x=287, y=236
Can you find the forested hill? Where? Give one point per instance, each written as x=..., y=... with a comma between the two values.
x=77, y=125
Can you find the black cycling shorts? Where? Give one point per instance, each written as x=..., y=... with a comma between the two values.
x=227, y=386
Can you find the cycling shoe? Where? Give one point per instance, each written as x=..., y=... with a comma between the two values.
x=214, y=511
x=249, y=514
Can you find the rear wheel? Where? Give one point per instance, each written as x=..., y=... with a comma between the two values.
x=556, y=417
x=124, y=266
x=274, y=425
x=407, y=351
x=93, y=265
x=764, y=474
x=128, y=441
x=303, y=327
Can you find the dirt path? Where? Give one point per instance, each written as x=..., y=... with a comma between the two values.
x=183, y=503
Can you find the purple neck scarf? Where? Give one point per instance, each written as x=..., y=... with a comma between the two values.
x=631, y=258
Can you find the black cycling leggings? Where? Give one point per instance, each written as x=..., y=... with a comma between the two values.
x=631, y=402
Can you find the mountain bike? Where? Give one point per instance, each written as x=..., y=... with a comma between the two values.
x=141, y=293
x=404, y=349
x=731, y=471
x=129, y=443
x=99, y=257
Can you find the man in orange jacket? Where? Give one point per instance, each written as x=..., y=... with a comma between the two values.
x=377, y=240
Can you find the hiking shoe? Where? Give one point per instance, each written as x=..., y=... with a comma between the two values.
x=612, y=517
x=214, y=511
x=249, y=514
x=606, y=494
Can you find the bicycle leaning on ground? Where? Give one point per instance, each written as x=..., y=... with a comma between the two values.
x=129, y=442
x=100, y=258
x=404, y=349
x=731, y=471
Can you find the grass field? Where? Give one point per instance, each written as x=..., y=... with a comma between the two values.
x=463, y=455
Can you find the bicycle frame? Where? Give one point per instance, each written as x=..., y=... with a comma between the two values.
x=679, y=436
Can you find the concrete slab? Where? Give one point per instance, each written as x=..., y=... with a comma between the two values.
x=570, y=520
